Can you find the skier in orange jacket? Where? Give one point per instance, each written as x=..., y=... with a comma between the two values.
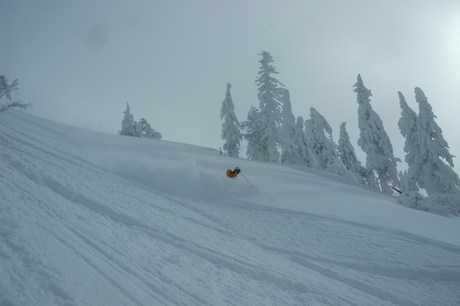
x=234, y=173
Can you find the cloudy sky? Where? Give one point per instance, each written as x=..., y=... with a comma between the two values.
x=80, y=62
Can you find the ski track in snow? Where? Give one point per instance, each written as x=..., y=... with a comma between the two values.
x=73, y=233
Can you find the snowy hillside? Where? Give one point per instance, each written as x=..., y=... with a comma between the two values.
x=94, y=219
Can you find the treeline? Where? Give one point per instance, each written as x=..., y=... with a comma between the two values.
x=130, y=127
x=274, y=134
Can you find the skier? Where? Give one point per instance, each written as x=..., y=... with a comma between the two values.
x=234, y=173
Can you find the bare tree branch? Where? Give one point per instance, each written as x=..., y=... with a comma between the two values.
x=6, y=89
x=16, y=104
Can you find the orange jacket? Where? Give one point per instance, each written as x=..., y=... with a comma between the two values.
x=231, y=173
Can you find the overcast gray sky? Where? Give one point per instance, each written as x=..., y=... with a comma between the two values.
x=79, y=62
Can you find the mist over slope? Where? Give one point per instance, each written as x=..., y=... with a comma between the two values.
x=88, y=218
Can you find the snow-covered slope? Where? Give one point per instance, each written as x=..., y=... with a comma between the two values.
x=94, y=219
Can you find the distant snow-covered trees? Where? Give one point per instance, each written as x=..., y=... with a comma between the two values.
x=230, y=127
x=6, y=90
x=374, y=141
x=129, y=127
x=273, y=134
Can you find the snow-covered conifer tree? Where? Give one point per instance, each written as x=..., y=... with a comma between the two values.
x=127, y=123
x=145, y=130
x=270, y=90
x=408, y=124
x=348, y=157
x=304, y=153
x=374, y=141
x=436, y=177
x=322, y=145
x=315, y=130
x=289, y=150
x=346, y=151
x=230, y=127
x=135, y=129
x=253, y=134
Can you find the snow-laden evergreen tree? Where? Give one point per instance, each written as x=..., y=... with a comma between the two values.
x=315, y=130
x=304, y=153
x=289, y=147
x=346, y=151
x=127, y=122
x=319, y=139
x=374, y=141
x=435, y=162
x=348, y=157
x=408, y=124
x=253, y=134
x=270, y=91
x=230, y=127
x=155, y=134
x=135, y=129
x=145, y=130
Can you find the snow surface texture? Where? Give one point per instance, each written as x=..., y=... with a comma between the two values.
x=94, y=219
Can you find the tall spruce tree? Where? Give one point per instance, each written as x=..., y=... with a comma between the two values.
x=230, y=127
x=374, y=141
x=127, y=122
x=435, y=163
x=270, y=91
